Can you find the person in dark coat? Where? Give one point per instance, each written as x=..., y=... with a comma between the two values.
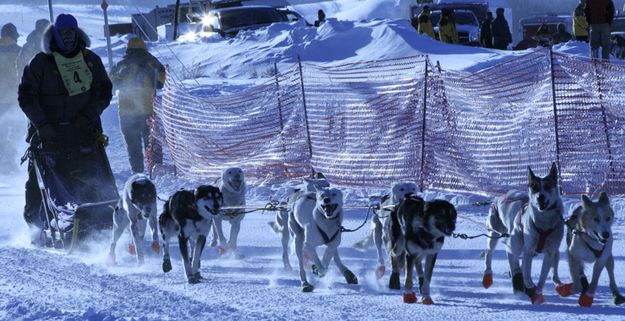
x=501, y=31
x=136, y=78
x=486, y=33
x=321, y=18
x=33, y=43
x=543, y=36
x=599, y=15
x=9, y=113
x=63, y=92
x=561, y=35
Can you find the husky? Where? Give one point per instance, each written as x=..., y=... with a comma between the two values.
x=280, y=224
x=316, y=220
x=190, y=215
x=535, y=224
x=589, y=239
x=416, y=230
x=137, y=208
x=387, y=205
x=233, y=188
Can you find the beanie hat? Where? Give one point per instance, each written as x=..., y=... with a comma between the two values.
x=10, y=31
x=136, y=43
x=63, y=22
x=41, y=24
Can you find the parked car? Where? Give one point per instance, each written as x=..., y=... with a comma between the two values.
x=529, y=25
x=229, y=21
x=467, y=26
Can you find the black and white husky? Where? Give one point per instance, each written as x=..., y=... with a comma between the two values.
x=137, y=208
x=281, y=223
x=535, y=224
x=589, y=239
x=233, y=188
x=189, y=215
x=416, y=230
x=316, y=220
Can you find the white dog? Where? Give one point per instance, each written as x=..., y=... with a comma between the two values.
x=589, y=239
x=281, y=223
x=315, y=221
x=535, y=225
x=233, y=188
x=137, y=208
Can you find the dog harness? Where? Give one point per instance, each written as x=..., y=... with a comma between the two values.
x=596, y=252
x=326, y=238
x=542, y=234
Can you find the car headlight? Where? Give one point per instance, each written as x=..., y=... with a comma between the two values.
x=474, y=36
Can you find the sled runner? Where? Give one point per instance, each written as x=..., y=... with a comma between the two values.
x=78, y=193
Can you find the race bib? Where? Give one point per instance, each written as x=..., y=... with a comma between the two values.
x=75, y=73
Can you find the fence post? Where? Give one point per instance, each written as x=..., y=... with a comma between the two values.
x=301, y=78
x=425, y=104
x=279, y=94
x=555, y=116
x=604, y=116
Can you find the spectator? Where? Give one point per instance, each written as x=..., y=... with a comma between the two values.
x=33, y=43
x=63, y=92
x=501, y=31
x=580, y=25
x=486, y=33
x=447, y=27
x=527, y=42
x=9, y=72
x=561, y=35
x=321, y=18
x=599, y=15
x=423, y=23
x=136, y=76
x=543, y=37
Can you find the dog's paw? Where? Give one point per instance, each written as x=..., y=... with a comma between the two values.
x=427, y=300
x=198, y=276
x=132, y=249
x=288, y=267
x=517, y=284
x=110, y=260
x=307, y=287
x=565, y=289
x=193, y=280
x=585, y=300
x=410, y=297
x=379, y=271
x=213, y=243
x=537, y=298
x=618, y=298
x=155, y=247
x=166, y=265
x=487, y=280
x=350, y=278
x=319, y=271
x=393, y=282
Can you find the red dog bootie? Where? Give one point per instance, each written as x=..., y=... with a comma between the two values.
x=131, y=249
x=427, y=300
x=487, y=281
x=379, y=271
x=410, y=297
x=155, y=247
x=585, y=300
x=538, y=298
x=565, y=289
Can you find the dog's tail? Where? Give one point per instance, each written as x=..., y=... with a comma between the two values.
x=163, y=218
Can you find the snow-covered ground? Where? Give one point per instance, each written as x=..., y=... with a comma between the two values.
x=38, y=284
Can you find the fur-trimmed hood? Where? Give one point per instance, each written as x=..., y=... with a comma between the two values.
x=47, y=45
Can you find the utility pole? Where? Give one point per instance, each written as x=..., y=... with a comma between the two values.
x=177, y=11
x=107, y=32
x=50, y=10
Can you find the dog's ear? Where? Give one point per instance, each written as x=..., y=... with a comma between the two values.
x=603, y=199
x=553, y=172
x=586, y=202
x=530, y=174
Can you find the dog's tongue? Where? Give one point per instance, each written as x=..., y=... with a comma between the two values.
x=329, y=209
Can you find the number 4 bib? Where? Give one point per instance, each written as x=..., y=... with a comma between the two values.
x=75, y=73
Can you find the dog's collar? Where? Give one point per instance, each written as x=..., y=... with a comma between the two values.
x=594, y=251
x=215, y=213
x=326, y=238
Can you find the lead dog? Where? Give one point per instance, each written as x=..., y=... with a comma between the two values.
x=316, y=220
x=589, y=239
x=535, y=225
x=233, y=188
x=137, y=207
x=189, y=215
x=281, y=223
x=414, y=231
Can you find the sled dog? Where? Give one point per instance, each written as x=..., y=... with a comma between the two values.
x=137, y=208
x=316, y=220
x=189, y=215
x=233, y=188
x=589, y=239
x=414, y=231
x=280, y=224
x=535, y=225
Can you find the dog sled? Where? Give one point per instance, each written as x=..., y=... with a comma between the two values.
x=78, y=193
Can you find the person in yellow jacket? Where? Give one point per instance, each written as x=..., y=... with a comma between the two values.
x=447, y=27
x=580, y=25
x=423, y=23
x=136, y=78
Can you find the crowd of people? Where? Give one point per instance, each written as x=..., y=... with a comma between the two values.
x=591, y=22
